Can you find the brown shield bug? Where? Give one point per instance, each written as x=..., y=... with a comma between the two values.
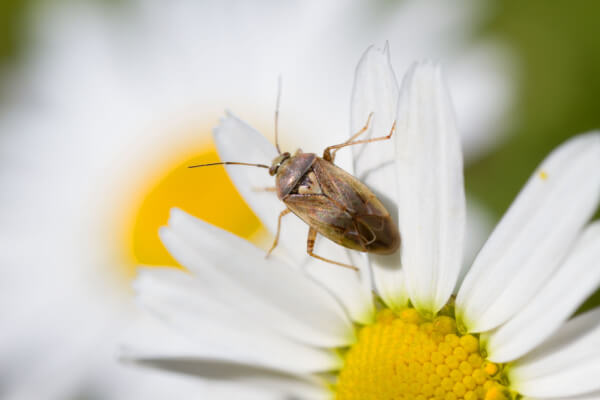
x=329, y=200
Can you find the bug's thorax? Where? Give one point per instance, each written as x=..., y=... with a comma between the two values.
x=293, y=173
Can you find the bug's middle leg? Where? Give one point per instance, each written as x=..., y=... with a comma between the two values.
x=281, y=215
x=310, y=246
x=327, y=155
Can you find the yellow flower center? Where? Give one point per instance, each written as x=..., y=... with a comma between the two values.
x=403, y=356
x=206, y=193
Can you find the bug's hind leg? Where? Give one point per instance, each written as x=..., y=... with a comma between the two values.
x=281, y=215
x=329, y=156
x=310, y=246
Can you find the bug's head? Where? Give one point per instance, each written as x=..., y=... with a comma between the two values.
x=278, y=162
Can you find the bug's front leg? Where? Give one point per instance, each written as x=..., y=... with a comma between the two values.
x=281, y=215
x=330, y=157
x=310, y=246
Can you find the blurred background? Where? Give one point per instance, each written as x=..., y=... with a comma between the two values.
x=103, y=104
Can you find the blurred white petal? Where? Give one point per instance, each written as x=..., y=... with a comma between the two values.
x=242, y=376
x=224, y=332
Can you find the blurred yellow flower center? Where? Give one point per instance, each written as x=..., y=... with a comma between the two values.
x=406, y=357
x=206, y=193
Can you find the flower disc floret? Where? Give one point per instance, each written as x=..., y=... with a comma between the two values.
x=404, y=356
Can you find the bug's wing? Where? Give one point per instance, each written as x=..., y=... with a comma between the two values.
x=327, y=218
x=344, y=189
x=372, y=223
x=380, y=233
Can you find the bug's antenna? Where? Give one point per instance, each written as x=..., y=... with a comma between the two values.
x=229, y=163
x=277, y=114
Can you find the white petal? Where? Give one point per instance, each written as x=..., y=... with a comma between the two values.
x=390, y=281
x=567, y=364
x=353, y=289
x=238, y=272
x=376, y=91
x=221, y=330
x=290, y=386
x=580, y=274
x=163, y=340
x=534, y=235
x=430, y=182
x=237, y=141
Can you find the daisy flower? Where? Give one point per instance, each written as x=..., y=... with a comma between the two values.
x=111, y=108
x=300, y=328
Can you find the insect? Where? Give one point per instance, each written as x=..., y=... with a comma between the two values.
x=329, y=200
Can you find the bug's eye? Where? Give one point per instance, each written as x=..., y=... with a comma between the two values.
x=280, y=159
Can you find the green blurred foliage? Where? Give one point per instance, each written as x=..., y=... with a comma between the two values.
x=13, y=14
x=557, y=44
x=557, y=47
